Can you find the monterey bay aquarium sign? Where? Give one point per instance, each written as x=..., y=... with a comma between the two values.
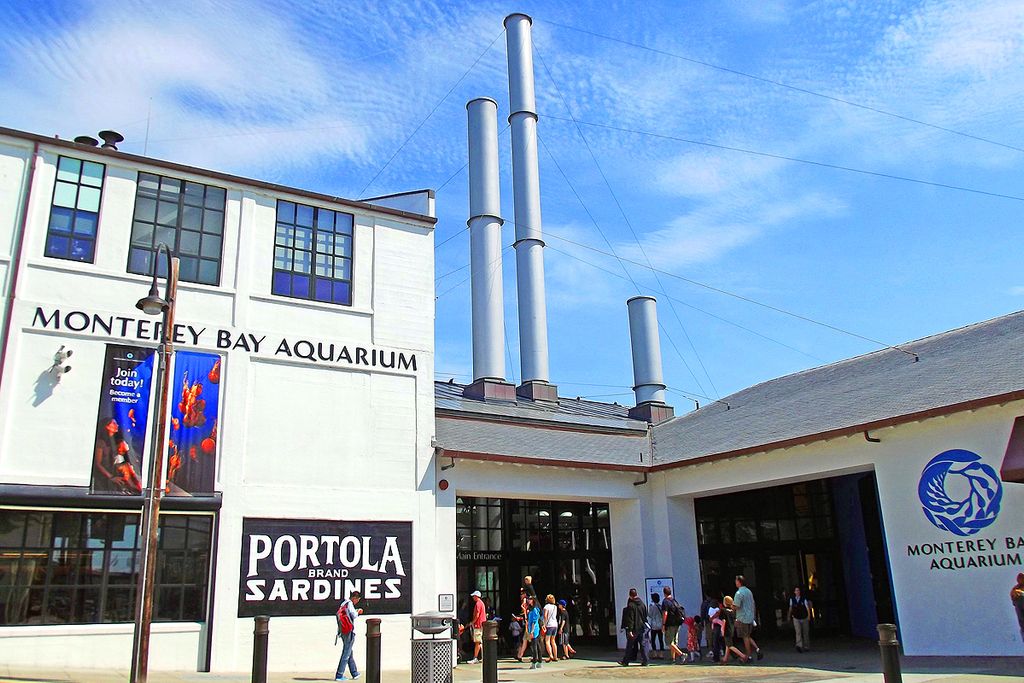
x=227, y=339
x=306, y=567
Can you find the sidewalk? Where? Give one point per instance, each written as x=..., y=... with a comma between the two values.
x=841, y=661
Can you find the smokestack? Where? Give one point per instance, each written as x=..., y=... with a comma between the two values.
x=648, y=382
x=529, y=245
x=485, y=254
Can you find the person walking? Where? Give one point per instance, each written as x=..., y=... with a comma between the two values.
x=533, y=631
x=746, y=614
x=1017, y=598
x=550, y=628
x=564, y=629
x=347, y=614
x=800, y=610
x=705, y=621
x=476, y=623
x=727, y=624
x=634, y=623
x=672, y=616
x=524, y=601
x=656, y=619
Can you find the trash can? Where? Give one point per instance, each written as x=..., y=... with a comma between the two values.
x=432, y=657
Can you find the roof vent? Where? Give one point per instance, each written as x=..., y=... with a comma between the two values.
x=87, y=140
x=110, y=139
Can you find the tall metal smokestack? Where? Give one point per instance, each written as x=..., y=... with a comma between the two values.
x=485, y=254
x=648, y=382
x=529, y=245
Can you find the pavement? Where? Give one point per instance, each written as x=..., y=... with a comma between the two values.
x=840, y=661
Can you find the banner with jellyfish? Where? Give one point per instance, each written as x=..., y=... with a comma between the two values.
x=123, y=419
x=195, y=409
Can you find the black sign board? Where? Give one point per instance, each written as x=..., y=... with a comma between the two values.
x=306, y=567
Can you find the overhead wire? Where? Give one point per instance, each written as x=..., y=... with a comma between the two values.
x=629, y=224
x=431, y=113
x=734, y=295
x=696, y=308
x=787, y=86
x=783, y=157
x=622, y=264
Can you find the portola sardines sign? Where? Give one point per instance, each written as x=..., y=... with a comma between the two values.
x=306, y=567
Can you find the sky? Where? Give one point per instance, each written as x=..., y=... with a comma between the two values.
x=663, y=127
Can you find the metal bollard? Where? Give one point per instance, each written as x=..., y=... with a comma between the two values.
x=260, y=638
x=890, y=649
x=373, y=650
x=490, y=664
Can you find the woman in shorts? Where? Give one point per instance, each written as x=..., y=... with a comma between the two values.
x=550, y=623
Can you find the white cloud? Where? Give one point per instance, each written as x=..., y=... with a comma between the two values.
x=1016, y=291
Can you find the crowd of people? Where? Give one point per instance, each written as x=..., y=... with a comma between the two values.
x=726, y=626
x=540, y=630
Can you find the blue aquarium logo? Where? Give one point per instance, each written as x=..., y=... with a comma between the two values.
x=960, y=493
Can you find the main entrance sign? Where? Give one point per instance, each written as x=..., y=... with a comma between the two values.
x=306, y=567
x=959, y=493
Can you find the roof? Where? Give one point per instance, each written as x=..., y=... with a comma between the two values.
x=968, y=367
x=571, y=432
x=370, y=205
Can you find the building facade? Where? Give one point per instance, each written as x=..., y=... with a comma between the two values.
x=301, y=410
x=873, y=484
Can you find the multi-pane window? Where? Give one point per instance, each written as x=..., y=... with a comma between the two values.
x=186, y=216
x=75, y=210
x=81, y=567
x=313, y=253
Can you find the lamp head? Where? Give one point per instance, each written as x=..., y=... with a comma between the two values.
x=153, y=303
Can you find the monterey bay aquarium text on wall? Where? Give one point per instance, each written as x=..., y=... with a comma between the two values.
x=315, y=351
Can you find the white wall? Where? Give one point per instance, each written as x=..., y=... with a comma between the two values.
x=932, y=604
x=298, y=439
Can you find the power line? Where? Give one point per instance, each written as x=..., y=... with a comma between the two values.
x=629, y=224
x=788, y=86
x=741, y=297
x=701, y=310
x=427, y=117
x=625, y=270
x=494, y=264
x=782, y=157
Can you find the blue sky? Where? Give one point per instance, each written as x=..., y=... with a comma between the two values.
x=321, y=96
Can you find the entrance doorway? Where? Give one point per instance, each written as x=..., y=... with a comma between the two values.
x=565, y=546
x=823, y=535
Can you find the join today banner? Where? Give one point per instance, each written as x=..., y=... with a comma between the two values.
x=123, y=420
x=194, y=415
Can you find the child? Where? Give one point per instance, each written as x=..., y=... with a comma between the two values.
x=692, y=638
x=515, y=629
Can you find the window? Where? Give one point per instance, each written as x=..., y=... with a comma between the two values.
x=313, y=254
x=188, y=217
x=80, y=567
x=75, y=210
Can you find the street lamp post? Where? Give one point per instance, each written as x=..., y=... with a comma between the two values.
x=154, y=305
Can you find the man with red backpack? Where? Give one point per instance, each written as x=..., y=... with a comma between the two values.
x=346, y=616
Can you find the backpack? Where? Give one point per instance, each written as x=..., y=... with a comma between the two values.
x=674, y=612
x=799, y=608
x=345, y=625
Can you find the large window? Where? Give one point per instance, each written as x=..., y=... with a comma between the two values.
x=188, y=217
x=80, y=567
x=75, y=210
x=313, y=253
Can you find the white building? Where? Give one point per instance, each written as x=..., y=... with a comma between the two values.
x=320, y=311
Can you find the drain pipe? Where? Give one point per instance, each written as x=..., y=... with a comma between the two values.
x=15, y=271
